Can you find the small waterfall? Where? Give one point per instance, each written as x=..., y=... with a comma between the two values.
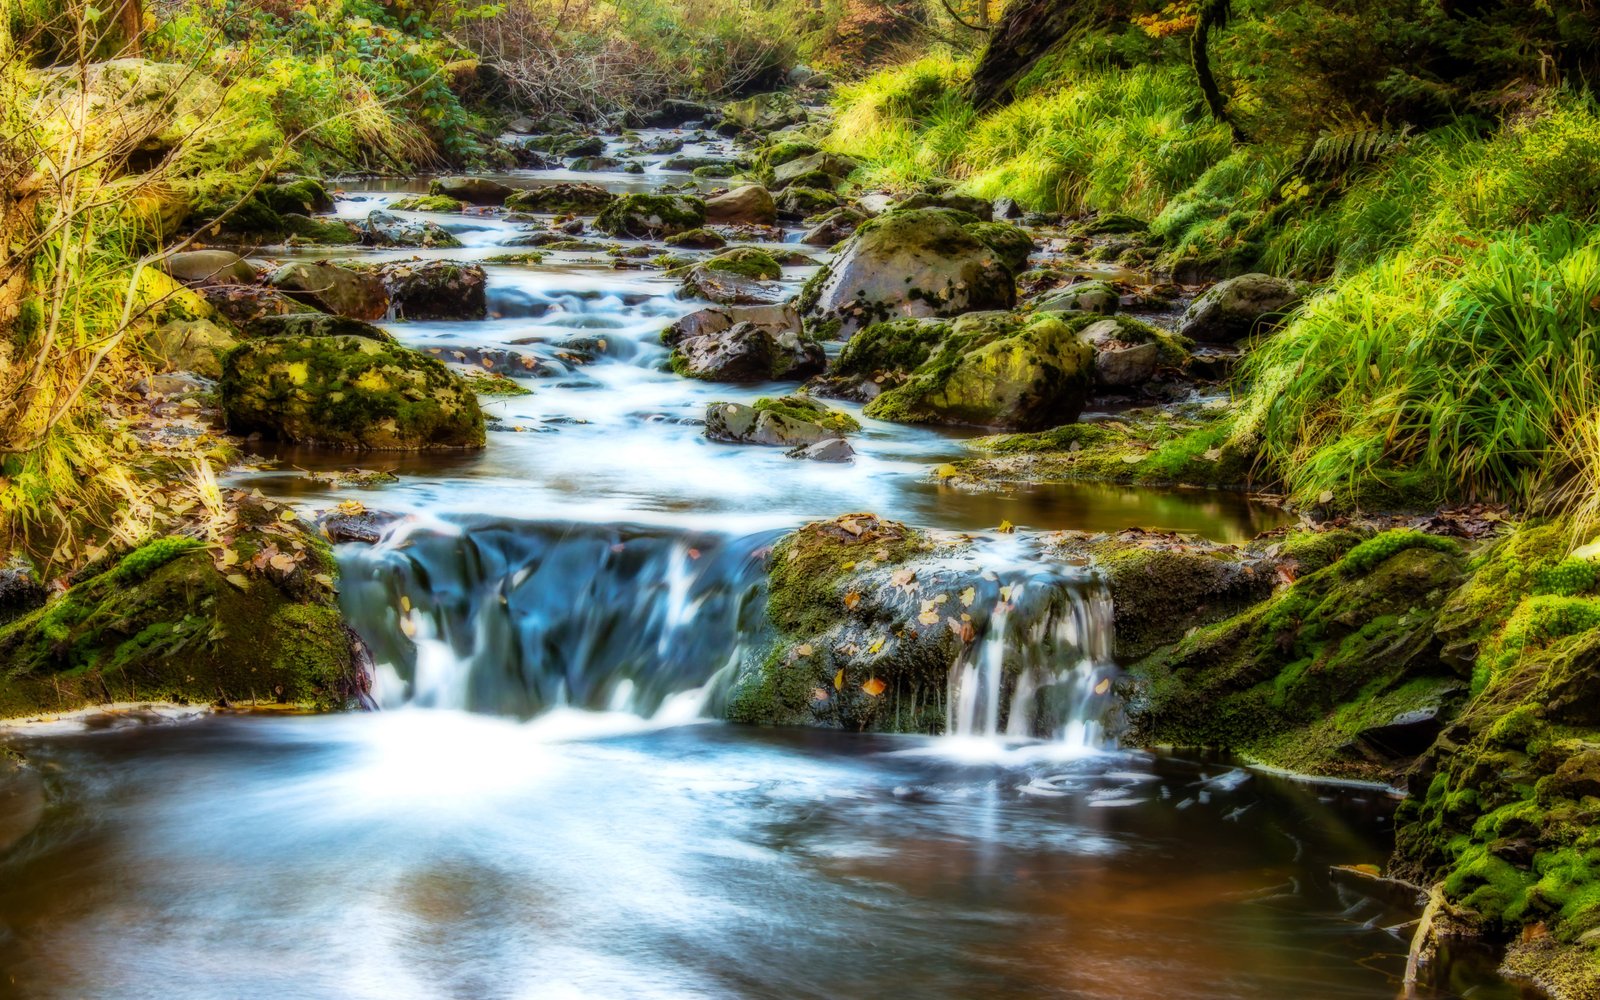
x=517, y=618
x=1042, y=667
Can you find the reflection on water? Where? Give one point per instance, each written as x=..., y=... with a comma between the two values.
x=438, y=854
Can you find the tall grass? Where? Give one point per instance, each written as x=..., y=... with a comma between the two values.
x=1111, y=140
x=1455, y=367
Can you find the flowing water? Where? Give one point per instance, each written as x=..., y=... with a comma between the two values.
x=543, y=808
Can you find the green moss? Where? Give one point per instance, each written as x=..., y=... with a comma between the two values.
x=808, y=566
x=1313, y=550
x=146, y=559
x=651, y=215
x=698, y=239
x=1382, y=547
x=897, y=346
x=747, y=262
x=428, y=203
x=319, y=232
x=804, y=409
x=1012, y=244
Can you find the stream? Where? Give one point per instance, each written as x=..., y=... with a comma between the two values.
x=543, y=805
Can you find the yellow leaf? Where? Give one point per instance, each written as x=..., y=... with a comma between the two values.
x=1103, y=686
x=229, y=558
x=847, y=566
x=947, y=471
x=929, y=618
x=874, y=687
x=968, y=596
x=409, y=626
x=838, y=680
x=298, y=372
x=324, y=579
x=1006, y=528
x=405, y=604
x=875, y=646
x=804, y=649
x=852, y=599
x=239, y=580
x=287, y=515
x=283, y=562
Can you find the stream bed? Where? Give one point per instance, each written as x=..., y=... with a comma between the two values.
x=543, y=808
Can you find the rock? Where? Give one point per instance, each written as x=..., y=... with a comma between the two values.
x=787, y=422
x=917, y=263
x=561, y=198
x=243, y=304
x=427, y=203
x=209, y=267
x=831, y=166
x=875, y=204
x=893, y=347
x=996, y=370
x=472, y=190
x=583, y=145
x=347, y=392
x=167, y=623
x=783, y=151
x=1012, y=243
x=837, y=225
x=651, y=215
x=435, y=289
x=747, y=352
x=763, y=113
x=1118, y=364
x=381, y=229
x=751, y=204
x=777, y=319
x=747, y=262
x=982, y=210
x=830, y=450
x=1234, y=309
x=315, y=324
x=193, y=345
x=729, y=288
x=21, y=590
x=698, y=239
x=592, y=164
x=686, y=163
x=672, y=113
x=363, y=526
x=1405, y=734
x=301, y=230
x=799, y=202
x=331, y=288
x=1085, y=296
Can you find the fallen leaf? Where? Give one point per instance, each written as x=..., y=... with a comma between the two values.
x=874, y=687
x=903, y=577
x=288, y=515
x=1103, y=686
x=852, y=599
x=239, y=580
x=804, y=649
x=946, y=471
x=1006, y=528
x=928, y=617
x=968, y=596
x=838, y=680
x=875, y=646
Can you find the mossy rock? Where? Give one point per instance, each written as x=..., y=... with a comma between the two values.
x=996, y=370
x=303, y=230
x=747, y=262
x=348, y=392
x=651, y=215
x=785, y=422
x=897, y=346
x=698, y=239
x=164, y=624
x=428, y=203
x=196, y=345
x=1310, y=678
x=1012, y=243
x=581, y=199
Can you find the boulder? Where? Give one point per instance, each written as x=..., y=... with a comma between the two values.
x=209, y=267
x=472, y=190
x=302, y=229
x=192, y=345
x=672, y=113
x=833, y=227
x=828, y=165
x=331, y=288
x=829, y=450
x=751, y=204
x=21, y=589
x=348, y=392
x=747, y=352
x=778, y=319
x=315, y=324
x=918, y=263
x=698, y=239
x=686, y=163
x=382, y=229
x=762, y=113
x=1085, y=296
x=996, y=370
x=561, y=198
x=243, y=304
x=435, y=289
x=976, y=207
x=1236, y=308
x=730, y=287
x=428, y=203
x=800, y=202
x=593, y=164
x=787, y=422
x=651, y=215
x=580, y=145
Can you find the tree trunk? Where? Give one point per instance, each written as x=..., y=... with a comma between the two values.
x=1027, y=31
x=130, y=18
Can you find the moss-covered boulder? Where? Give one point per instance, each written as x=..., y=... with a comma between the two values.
x=385, y=229
x=746, y=205
x=347, y=392
x=698, y=239
x=996, y=370
x=745, y=351
x=577, y=199
x=785, y=422
x=332, y=288
x=892, y=349
x=1083, y=296
x=833, y=227
x=315, y=324
x=241, y=305
x=732, y=282
x=435, y=289
x=801, y=201
x=1128, y=352
x=1339, y=673
x=192, y=345
x=762, y=113
x=917, y=263
x=822, y=169
x=248, y=620
x=472, y=190
x=428, y=203
x=651, y=215
x=209, y=267
x=1234, y=309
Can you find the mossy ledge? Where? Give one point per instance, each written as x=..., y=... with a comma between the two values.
x=176, y=620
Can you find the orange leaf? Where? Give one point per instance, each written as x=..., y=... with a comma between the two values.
x=852, y=599
x=874, y=687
